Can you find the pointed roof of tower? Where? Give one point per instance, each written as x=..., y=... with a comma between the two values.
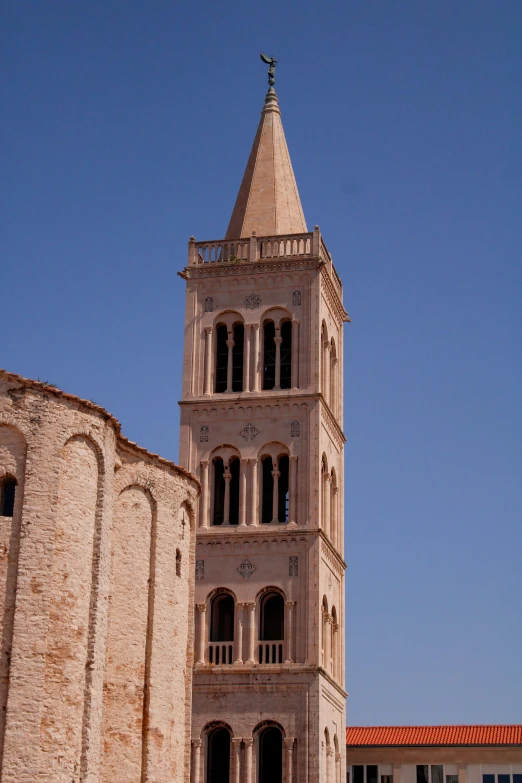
x=268, y=201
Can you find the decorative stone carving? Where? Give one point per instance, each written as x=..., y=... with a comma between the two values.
x=296, y=298
x=203, y=434
x=295, y=429
x=249, y=432
x=200, y=569
x=246, y=569
x=209, y=305
x=293, y=566
x=252, y=302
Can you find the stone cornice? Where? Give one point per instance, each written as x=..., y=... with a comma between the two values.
x=257, y=267
x=247, y=669
x=333, y=296
x=331, y=553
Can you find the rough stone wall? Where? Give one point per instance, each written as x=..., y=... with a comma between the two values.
x=96, y=595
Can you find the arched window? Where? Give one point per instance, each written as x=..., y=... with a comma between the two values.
x=178, y=562
x=221, y=358
x=335, y=636
x=286, y=355
x=271, y=755
x=218, y=756
x=334, y=522
x=324, y=496
x=221, y=629
x=237, y=357
x=219, y=491
x=324, y=340
x=271, y=628
x=275, y=500
x=324, y=630
x=267, y=490
x=226, y=491
x=333, y=377
x=269, y=359
x=7, y=496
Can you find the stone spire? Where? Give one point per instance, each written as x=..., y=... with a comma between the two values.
x=268, y=201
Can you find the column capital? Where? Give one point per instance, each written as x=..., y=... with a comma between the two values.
x=249, y=741
x=230, y=343
x=236, y=741
x=290, y=603
x=329, y=751
x=337, y=756
x=256, y=326
x=209, y=329
x=241, y=604
x=288, y=742
x=328, y=477
x=204, y=463
x=296, y=321
x=276, y=473
x=196, y=743
x=201, y=607
x=278, y=340
x=250, y=605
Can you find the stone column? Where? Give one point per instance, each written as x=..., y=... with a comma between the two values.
x=202, y=633
x=275, y=494
x=239, y=633
x=248, y=760
x=256, y=358
x=251, y=607
x=335, y=650
x=208, y=360
x=230, y=345
x=329, y=761
x=289, y=631
x=292, y=511
x=236, y=759
x=295, y=354
x=254, y=511
x=246, y=358
x=338, y=768
x=334, y=519
x=327, y=501
x=227, y=475
x=242, y=491
x=278, y=340
x=326, y=390
x=289, y=753
x=196, y=760
x=204, y=504
x=333, y=387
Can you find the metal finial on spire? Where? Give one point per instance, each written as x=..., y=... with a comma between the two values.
x=271, y=62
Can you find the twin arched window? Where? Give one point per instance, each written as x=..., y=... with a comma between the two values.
x=229, y=358
x=330, y=504
x=275, y=484
x=269, y=753
x=330, y=645
x=277, y=357
x=226, y=491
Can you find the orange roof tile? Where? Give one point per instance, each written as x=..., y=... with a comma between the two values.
x=372, y=736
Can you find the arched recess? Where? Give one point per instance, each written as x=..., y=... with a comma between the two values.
x=125, y=721
x=269, y=736
x=335, y=642
x=328, y=755
x=324, y=370
x=324, y=631
x=325, y=495
x=222, y=604
x=229, y=344
x=225, y=461
x=271, y=625
x=13, y=450
x=334, y=508
x=276, y=349
x=73, y=600
x=333, y=377
x=217, y=737
x=274, y=484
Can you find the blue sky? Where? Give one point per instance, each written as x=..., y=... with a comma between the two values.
x=126, y=128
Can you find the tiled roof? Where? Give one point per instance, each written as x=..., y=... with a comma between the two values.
x=373, y=736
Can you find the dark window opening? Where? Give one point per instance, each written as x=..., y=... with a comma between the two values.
x=386, y=778
x=269, y=359
x=504, y=778
x=422, y=773
x=178, y=562
x=358, y=773
x=371, y=773
x=272, y=626
x=453, y=778
x=218, y=755
x=286, y=355
x=221, y=358
x=222, y=619
x=237, y=358
x=234, y=492
x=283, y=489
x=271, y=756
x=267, y=485
x=7, y=496
x=437, y=773
x=219, y=491
x=488, y=779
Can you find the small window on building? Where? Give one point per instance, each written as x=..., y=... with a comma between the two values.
x=517, y=778
x=269, y=359
x=437, y=773
x=221, y=358
x=358, y=773
x=452, y=779
x=178, y=562
x=286, y=355
x=7, y=496
x=386, y=778
x=488, y=779
x=283, y=489
x=503, y=778
x=422, y=773
x=237, y=358
x=234, y=491
x=371, y=773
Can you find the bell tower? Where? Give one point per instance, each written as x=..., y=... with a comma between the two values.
x=261, y=425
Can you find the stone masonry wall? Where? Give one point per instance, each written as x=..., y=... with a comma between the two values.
x=96, y=597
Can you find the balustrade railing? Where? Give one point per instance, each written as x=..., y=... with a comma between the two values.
x=290, y=246
x=270, y=652
x=220, y=653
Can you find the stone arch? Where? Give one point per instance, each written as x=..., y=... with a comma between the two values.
x=217, y=736
x=269, y=737
x=224, y=485
x=228, y=350
x=215, y=724
x=269, y=723
x=276, y=348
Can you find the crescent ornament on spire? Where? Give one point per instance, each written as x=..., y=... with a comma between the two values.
x=271, y=62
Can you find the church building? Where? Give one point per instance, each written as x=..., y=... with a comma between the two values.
x=262, y=429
